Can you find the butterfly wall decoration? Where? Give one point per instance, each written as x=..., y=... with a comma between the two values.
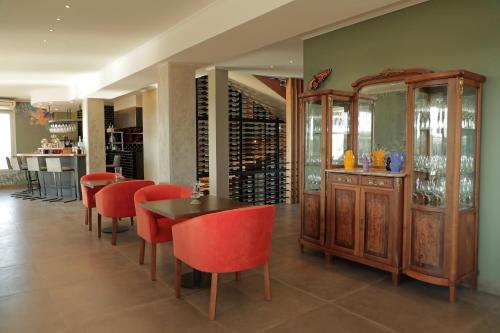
x=318, y=79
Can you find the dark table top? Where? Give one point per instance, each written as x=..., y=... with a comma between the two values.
x=102, y=183
x=182, y=208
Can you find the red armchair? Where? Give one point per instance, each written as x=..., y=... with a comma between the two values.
x=117, y=201
x=89, y=193
x=228, y=241
x=151, y=227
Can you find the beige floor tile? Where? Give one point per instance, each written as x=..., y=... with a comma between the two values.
x=328, y=319
x=82, y=301
x=171, y=315
x=327, y=281
x=400, y=308
x=29, y=312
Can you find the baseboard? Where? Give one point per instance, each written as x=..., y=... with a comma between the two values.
x=489, y=287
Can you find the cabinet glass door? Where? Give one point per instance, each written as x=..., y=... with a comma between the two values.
x=468, y=147
x=340, y=123
x=429, y=140
x=312, y=146
x=365, y=128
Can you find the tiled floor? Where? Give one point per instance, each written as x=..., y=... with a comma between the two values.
x=55, y=276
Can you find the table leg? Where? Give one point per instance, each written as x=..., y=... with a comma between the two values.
x=196, y=280
x=119, y=229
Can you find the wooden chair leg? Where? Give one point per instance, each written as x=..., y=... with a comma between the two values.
x=86, y=216
x=99, y=225
x=213, y=297
x=153, y=262
x=178, y=277
x=113, y=231
x=90, y=218
x=237, y=276
x=267, y=281
x=132, y=221
x=141, y=253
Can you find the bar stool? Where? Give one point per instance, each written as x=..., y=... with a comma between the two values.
x=34, y=166
x=9, y=164
x=24, y=192
x=54, y=166
x=16, y=164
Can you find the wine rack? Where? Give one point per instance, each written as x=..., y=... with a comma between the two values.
x=257, y=147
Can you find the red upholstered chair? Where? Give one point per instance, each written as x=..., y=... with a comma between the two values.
x=151, y=227
x=89, y=193
x=117, y=201
x=228, y=241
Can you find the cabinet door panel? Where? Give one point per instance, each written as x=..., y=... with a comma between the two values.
x=376, y=228
x=342, y=216
x=427, y=242
x=311, y=230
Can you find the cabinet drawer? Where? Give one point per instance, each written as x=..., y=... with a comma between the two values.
x=343, y=179
x=377, y=181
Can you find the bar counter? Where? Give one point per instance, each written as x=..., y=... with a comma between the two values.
x=75, y=161
x=49, y=155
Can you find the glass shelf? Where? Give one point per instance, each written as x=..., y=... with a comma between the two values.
x=430, y=140
x=313, y=122
x=468, y=148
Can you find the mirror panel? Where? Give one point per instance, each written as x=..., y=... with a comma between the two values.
x=340, y=130
x=382, y=118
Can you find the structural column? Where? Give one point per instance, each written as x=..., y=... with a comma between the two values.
x=293, y=90
x=218, y=132
x=93, y=134
x=176, y=124
x=150, y=135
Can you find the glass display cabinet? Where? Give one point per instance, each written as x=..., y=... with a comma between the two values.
x=441, y=221
x=325, y=132
x=420, y=219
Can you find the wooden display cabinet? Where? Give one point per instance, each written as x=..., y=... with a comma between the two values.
x=423, y=221
x=321, y=112
x=441, y=222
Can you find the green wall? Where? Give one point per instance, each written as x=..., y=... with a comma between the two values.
x=28, y=137
x=438, y=35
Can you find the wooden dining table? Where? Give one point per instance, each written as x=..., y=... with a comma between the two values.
x=102, y=183
x=181, y=209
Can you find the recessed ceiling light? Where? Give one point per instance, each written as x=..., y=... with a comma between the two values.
x=51, y=30
x=58, y=19
x=68, y=6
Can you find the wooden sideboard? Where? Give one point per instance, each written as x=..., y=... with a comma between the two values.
x=363, y=220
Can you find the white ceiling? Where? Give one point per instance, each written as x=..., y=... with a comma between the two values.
x=283, y=59
x=91, y=34
x=107, y=48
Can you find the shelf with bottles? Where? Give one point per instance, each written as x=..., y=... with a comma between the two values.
x=254, y=144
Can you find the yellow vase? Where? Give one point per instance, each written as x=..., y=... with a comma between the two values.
x=349, y=160
x=378, y=158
